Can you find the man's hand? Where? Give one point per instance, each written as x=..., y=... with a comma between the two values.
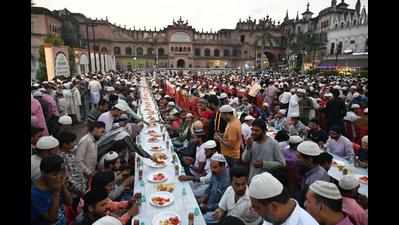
x=188, y=160
x=185, y=178
x=258, y=164
x=134, y=210
x=128, y=182
x=218, y=214
x=249, y=142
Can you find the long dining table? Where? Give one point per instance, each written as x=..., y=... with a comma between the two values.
x=184, y=201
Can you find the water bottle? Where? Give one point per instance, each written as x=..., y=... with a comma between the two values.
x=197, y=216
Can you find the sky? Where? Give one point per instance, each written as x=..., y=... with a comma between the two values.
x=201, y=14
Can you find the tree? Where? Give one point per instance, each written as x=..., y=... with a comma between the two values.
x=54, y=40
x=42, y=70
x=72, y=64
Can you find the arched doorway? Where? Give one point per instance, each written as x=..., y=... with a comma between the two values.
x=181, y=63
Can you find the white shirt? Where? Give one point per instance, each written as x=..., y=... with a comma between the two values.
x=94, y=86
x=284, y=98
x=351, y=116
x=245, y=131
x=200, y=156
x=241, y=209
x=107, y=119
x=35, y=167
x=298, y=217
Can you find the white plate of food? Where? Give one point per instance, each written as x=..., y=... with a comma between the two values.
x=156, y=147
x=158, y=177
x=166, y=187
x=363, y=179
x=166, y=218
x=161, y=199
x=153, y=164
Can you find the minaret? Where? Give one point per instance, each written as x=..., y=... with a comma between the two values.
x=358, y=6
x=286, y=16
x=334, y=3
x=297, y=16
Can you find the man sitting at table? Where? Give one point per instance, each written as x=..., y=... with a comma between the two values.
x=363, y=152
x=235, y=201
x=97, y=204
x=308, y=154
x=324, y=203
x=349, y=186
x=340, y=145
x=219, y=182
x=316, y=134
x=325, y=160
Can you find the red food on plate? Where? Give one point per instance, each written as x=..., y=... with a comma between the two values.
x=159, y=176
x=365, y=179
x=160, y=200
x=174, y=220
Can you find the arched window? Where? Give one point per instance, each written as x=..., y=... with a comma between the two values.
x=216, y=52
x=180, y=49
x=150, y=51
x=96, y=48
x=339, y=48
x=128, y=51
x=117, y=51
x=171, y=49
x=189, y=49
x=226, y=52
x=139, y=51
x=104, y=50
x=332, y=48
x=207, y=52
x=197, y=52
x=161, y=52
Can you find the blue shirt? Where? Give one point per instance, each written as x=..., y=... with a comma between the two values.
x=216, y=189
x=41, y=203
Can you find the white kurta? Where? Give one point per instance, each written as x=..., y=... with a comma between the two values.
x=76, y=103
x=293, y=107
x=298, y=217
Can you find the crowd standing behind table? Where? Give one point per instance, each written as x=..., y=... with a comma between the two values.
x=164, y=97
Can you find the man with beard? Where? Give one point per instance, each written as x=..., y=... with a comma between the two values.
x=262, y=152
x=216, y=123
x=86, y=153
x=308, y=163
x=270, y=200
x=96, y=206
x=108, y=117
x=340, y=145
x=235, y=201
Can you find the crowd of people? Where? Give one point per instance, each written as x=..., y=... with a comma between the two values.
x=255, y=148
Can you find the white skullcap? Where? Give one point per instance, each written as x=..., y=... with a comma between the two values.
x=353, y=87
x=110, y=89
x=67, y=85
x=226, y=109
x=365, y=139
x=42, y=89
x=356, y=94
x=223, y=95
x=218, y=157
x=111, y=156
x=282, y=111
x=311, y=88
x=167, y=96
x=117, y=82
x=366, y=110
x=107, y=220
x=329, y=94
x=309, y=148
x=337, y=87
x=132, y=89
x=119, y=106
x=265, y=186
x=355, y=106
x=325, y=189
x=249, y=117
x=266, y=104
x=295, y=139
x=65, y=120
x=47, y=142
x=171, y=103
x=301, y=90
x=292, y=90
x=348, y=182
x=212, y=93
x=37, y=93
x=322, y=85
x=189, y=115
x=209, y=144
x=36, y=85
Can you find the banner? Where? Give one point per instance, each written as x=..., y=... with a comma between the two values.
x=61, y=65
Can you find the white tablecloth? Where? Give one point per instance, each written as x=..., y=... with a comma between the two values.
x=183, y=204
x=356, y=171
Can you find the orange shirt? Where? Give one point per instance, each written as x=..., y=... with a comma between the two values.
x=232, y=135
